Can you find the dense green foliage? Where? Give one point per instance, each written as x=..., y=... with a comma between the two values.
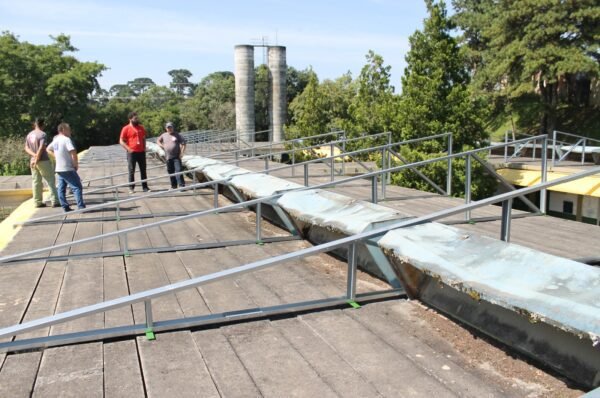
x=436, y=98
x=435, y=87
x=539, y=59
x=44, y=81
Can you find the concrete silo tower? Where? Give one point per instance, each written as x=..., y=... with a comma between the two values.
x=244, y=91
x=278, y=104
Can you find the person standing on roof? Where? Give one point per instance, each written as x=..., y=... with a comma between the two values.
x=67, y=163
x=173, y=144
x=133, y=139
x=35, y=146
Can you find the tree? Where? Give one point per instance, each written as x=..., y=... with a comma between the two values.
x=543, y=49
x=140, y=84
x=373, y=109
x=436, y=99
x=309, y=114
x=44, y=80
x=321, y=107
x=435, y=87
x=296, y=81
x=262, y=95
x=155, y=107
x=212, y=105
x=180, y=82
x=121, y=91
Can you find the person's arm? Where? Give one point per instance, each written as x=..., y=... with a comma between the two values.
x=29, y=151
x=124, y=145
x=75, y=159
x=182, y=146
x=50, y=151
x=40, y=150
x=159, y=142
x=144, y=138
x=122, y=142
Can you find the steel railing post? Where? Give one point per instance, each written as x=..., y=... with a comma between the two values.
x=305, y=174
x=351, y=282
x=125, y=246
x=374, y=189
x=194, y=181
x=506, y=219
x=553, y=147
x=331, y=163
x=543, y=192
x=267, y=164
x=468, y=187
x=118, y=206
x=383, y=176
x=389, y=158
x=583, y=152
x=449, y=174
x=505, y=146
x=216, y=195
x=258, y=223
x=148, y=311
x=343, y=157
x=293, y=159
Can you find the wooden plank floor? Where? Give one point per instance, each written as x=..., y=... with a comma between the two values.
x=391, y=348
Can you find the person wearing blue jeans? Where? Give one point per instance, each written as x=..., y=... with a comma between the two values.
x=174, y=166
x=173, y=144
x=67, y=163
x=72, y=179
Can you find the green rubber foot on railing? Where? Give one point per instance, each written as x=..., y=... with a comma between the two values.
x=353, y=304
x=472, y=222
x=260, y=242
x=150, y=334
x=127, y=254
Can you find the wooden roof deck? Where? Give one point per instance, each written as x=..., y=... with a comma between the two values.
x=391, y=348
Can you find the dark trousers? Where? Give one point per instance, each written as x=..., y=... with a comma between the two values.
x=174, y=166
x=140, y=159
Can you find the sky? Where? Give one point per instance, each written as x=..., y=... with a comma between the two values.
x=149, y=38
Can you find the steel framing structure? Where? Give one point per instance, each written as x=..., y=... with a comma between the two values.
x=147, y=296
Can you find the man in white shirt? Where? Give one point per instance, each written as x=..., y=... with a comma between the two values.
x=67, y=163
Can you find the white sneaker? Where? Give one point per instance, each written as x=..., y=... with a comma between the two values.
x=131, y=191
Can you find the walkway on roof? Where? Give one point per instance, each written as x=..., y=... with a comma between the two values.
x=390, y=348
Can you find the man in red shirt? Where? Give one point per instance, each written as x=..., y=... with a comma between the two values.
x=133, y=139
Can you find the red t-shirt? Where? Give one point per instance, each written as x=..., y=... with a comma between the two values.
x=134, y=137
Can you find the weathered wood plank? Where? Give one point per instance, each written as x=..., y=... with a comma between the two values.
x=173, y=367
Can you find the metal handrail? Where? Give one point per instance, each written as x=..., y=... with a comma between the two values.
x=292, y=141
x=296, y=149
x=119, y=202
x=372, y=175
x=305, y=164
x=222, y=153
x=189, y=187
x=349, y=241
x=581, y=140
